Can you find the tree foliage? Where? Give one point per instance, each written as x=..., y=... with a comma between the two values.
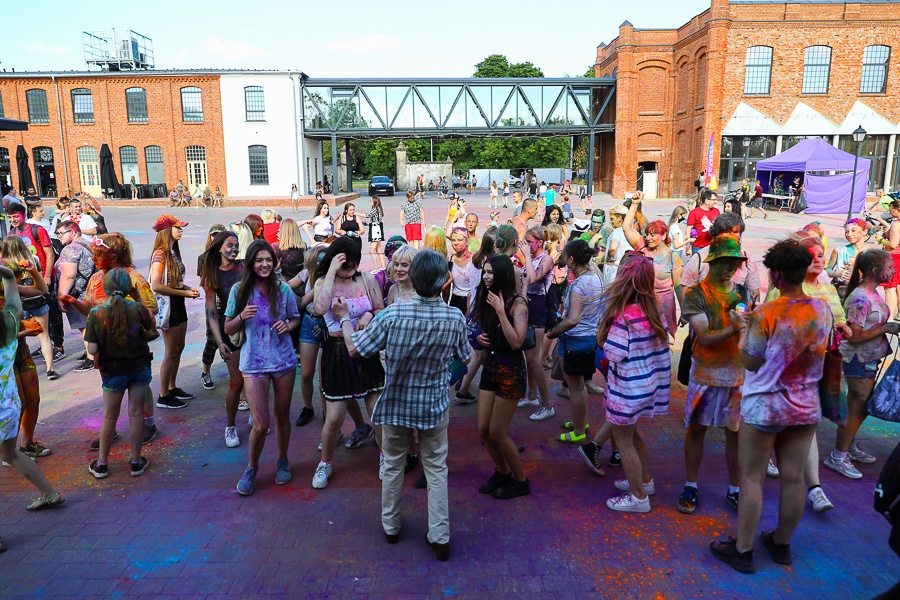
x=497, y=65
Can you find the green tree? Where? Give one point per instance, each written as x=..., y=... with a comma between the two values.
x=497, y=65
x=590, y=74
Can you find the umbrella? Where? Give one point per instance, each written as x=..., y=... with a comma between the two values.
x=25, y=179
x=109, y=183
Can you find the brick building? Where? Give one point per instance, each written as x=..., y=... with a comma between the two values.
x=161, y=127
x=773, y=72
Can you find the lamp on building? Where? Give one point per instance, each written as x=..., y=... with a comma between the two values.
x=858, y=136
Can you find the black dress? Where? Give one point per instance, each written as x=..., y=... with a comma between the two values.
x=351, y=230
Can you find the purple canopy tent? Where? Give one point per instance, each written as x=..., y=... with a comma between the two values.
x=828, y=191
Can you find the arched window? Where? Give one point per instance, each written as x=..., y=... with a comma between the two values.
x=816, y=70
x=255, y=103
x=156, y=172
x=191, y=105
x=758, y=70
x=38, y=113
x=875, y=70
x=136, y=103
x=128, y=158
x=259, y=165
x=82, y=105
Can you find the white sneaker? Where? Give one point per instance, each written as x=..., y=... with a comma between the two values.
x=250, y=421
x=649, y=487
x=231, y=437
x=529, y=402
x=340, y=437
x=819, y=500
x=543, y=413
x=628, y=503
x=843, y=466
x=323, y=472
x=564, y=392
x=593, y=388
x=380, y=466
x=771, y=469
x=857, y=454
x=243, y=405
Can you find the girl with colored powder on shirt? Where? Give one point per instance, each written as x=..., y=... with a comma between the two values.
x=463, y=275
x=867, y=317
x=840, y=265
x=265, y=307
x=117, y=333
x=538, y=273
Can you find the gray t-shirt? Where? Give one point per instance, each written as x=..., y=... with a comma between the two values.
x=412, y=211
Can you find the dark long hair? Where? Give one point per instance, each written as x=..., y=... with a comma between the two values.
x=342, y=245
x=248, y=279
x=865, y=265
x=505, y=282
x=550, y=210
x=212, y=259
x=486, y=249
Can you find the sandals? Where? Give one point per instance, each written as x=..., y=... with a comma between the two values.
x=570, y=426
x=571, y=438
x=40, y=503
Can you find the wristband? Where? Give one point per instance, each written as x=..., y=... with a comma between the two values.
x=241, y=315
x=346, y=320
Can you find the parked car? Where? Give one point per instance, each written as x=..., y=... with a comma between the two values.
x=380, y=184
x=514, y=181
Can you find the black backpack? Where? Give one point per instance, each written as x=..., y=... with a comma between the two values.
x=887, y=496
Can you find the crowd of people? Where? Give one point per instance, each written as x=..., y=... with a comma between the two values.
x=540, y=297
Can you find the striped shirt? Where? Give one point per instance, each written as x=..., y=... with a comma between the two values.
x=420, y=339
x=640, y=369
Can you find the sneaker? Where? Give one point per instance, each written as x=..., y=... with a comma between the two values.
x=169, y=402
x=615, y=459
x=35, y=450
x=243, y=405
x=181, y=394
x=628, y=503
x=36, y=354
x=466, y=398
x=512, y=489
x=732, y=499
x=207, y=382
x=323, y=472
x=495, y=482
x=53, y=376
x=593, y=388
x=282, y=471
x=771, y=469
x=380, y=466
x=781, y=553
x=306, y=415
x=564, y=392
x=97, y=470
x=150, y=433
x=543, y=413
x=245, y=485
x=529, y=402
x=231, y=437
x=688, y=500
x=591, y=453
x=359, y=436
x=649, y=487
x=82, y=358
x=138, y=468
x=728, y=553
x=856, y=453
x=819, y=500
x=95, y=445
x=58, y=354
x=340, y=437
x=85, y=365
x=843, y=466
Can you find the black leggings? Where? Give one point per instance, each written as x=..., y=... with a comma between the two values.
x=210, y=349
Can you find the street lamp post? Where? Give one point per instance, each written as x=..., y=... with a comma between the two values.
x=746, y=142
x=858, y=136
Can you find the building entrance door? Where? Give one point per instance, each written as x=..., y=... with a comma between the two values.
x=44, y=171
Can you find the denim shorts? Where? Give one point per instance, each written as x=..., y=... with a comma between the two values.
x=120, y=383
x=860, y=370
x=586, y=344
x=37, y=312
x=307, y=325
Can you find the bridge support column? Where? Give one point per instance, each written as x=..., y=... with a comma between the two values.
x=334, y=164
x=590, y=164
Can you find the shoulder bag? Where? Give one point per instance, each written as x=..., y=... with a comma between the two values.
x=833, y=386
x=163, y=303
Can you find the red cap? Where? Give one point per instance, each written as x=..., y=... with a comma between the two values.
x=166, y=221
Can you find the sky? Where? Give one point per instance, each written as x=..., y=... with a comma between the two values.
x=344, y=38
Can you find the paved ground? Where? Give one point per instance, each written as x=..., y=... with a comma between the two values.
x=182, y=529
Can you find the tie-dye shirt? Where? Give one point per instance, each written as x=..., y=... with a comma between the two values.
x=264, y=350
x=866, y=310
x=720, y=365
x=790, y=336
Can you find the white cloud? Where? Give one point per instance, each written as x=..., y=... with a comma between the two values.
x=45, y=48
x=367, y=43
x=231, y=49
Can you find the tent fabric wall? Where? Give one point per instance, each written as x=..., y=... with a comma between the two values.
x=828, y=194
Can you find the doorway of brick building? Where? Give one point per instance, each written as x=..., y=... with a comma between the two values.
x=196, y=166
x=89, y=169
x=5, y=172
x=648, y=179
x=44, y=171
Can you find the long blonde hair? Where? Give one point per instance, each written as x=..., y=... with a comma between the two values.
x=436, y=239
x=634, y=284
x=289, y=236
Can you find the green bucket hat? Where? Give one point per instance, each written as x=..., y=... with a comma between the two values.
x=725, y=245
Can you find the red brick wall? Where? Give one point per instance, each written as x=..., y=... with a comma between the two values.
x=676, y=87
x=165, y=127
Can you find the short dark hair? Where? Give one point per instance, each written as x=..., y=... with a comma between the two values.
x=428, y=273
x=706, y=194
x=15, y=208
x=725, y=222
x=342, y=245
x=790, y=259
x=71, y=224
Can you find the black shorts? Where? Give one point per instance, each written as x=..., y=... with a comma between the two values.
x=177, y=311
x=459, y=302
x=346, y=378
x=537, y=311
x=504, y=374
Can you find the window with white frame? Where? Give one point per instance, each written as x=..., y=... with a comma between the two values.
x=816, y=70
x=136, y=103
x=758, y=70
x=255, y=103
x=192, y=105
x=875, y=70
